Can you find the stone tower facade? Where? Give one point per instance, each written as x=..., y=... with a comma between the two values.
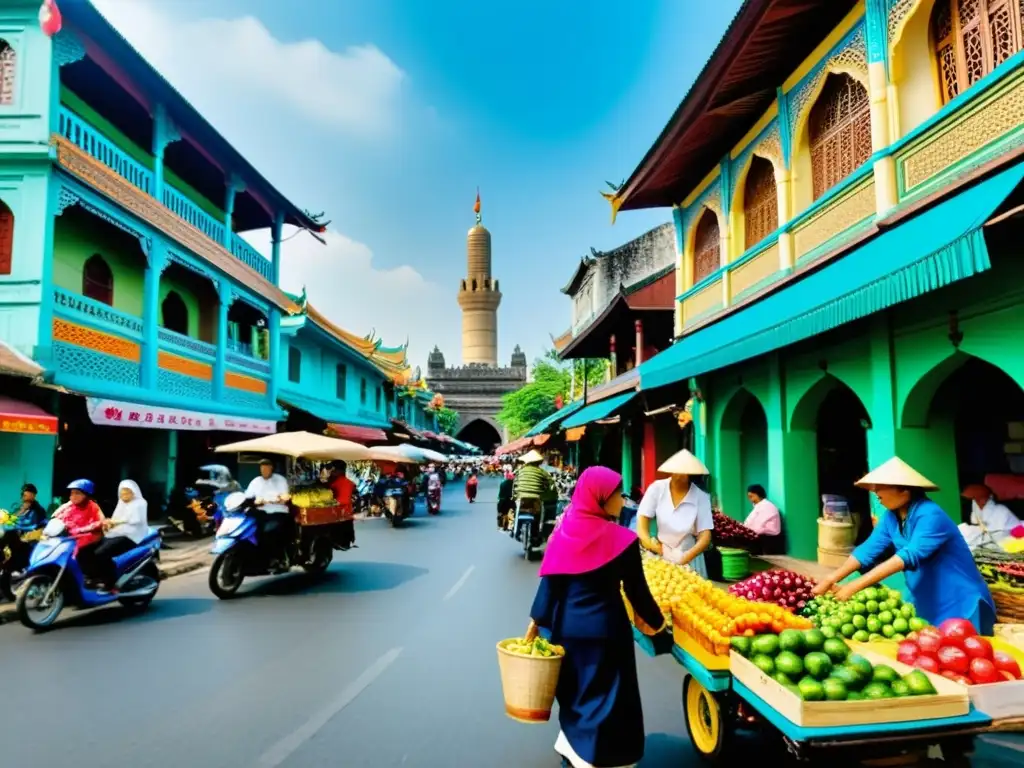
x=479, y=298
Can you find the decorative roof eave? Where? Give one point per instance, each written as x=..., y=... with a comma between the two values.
x=559, y=342
x=617, y=303
x=766, y=41
x=577, y=277
x=364, y=346
x=100, y=35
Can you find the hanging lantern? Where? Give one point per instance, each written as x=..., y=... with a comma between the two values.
x=50, y=20
x=559, y=402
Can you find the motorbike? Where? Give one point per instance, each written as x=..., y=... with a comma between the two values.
x=368, y=503
x=533, y=525
x=10, y=569
x=434, y=501
x=54, y=579
x=239, y=552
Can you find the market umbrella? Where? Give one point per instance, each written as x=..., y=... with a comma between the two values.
x=300, y=445
x=394, y=453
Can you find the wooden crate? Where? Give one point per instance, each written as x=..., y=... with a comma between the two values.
x=708, y=660
x=950, y=701
x=321, y=515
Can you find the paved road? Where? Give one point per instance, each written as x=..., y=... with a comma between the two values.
x=387, y=660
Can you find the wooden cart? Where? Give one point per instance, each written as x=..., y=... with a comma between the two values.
x=716, y=705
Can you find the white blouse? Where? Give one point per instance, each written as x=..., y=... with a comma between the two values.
x=678, y=526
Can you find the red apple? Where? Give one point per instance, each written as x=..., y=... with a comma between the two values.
x=978, y=647
x=931, y=631
x=928, y=644
x=908, y=651
x=1008, y=676
x=927, y=663
x=984, y=671
x=957, y=629
x=949, y=674
x=962, y=680
x=955, y=659
x=1006, y=663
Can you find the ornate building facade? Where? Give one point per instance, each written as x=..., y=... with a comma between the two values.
x=475, y=389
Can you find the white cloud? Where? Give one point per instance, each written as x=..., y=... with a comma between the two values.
x=342, y=281
x=239, y=60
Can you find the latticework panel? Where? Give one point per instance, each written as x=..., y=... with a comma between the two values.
x=707, y=247
x=107, y=343
x=840, y=132
x=180, y=385
x=96, y=365
x=245, y=399
x=760, y=201
x=8, y=70
x=972, y=38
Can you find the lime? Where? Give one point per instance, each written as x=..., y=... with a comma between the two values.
x=859, y=621
x=874, y=625
x=872, y=606
x=877, y=691
x=861, y=664
x=848, y=630
x=811, y=690
x=836, y=650
x=917, y=624
x=783, y=679
x=861, y=636
x=898, y=637
x=858, y=608
x=918, y=683
x=907, y=611
x=790, y=664
x=828, y=632
x=884, y=674
x=900, y=625
x=900, y=688
x=875, y=636
x=767, y=645
x=885, y=617
x=764, y=663
x=818, y=665
x=835, y=690
x=850, y=676
x=888, y=631
x=854, y=696
x=741, y=645
x=871, y=593
x=845, y=617
x=792, y=640
x=814, y=639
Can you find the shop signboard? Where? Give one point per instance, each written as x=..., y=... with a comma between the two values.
x=114, y=413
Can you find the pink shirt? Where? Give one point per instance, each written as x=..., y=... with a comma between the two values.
x=765, y=519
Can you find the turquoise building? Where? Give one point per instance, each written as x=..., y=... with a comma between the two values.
x=124, y=272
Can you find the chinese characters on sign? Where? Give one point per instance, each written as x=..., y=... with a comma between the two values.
x=28, y=425
x=111, y=413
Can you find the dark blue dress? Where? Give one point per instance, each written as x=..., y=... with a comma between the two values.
x=598, y=693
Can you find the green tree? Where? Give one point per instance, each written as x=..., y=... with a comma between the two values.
x=447, y=421
x=550, y=378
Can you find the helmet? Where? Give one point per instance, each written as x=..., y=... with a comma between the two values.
x=234, y=501
x=83, y=485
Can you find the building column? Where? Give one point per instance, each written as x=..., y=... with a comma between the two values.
x=613, y=363
x=234, y=186
x=172, y=460
x=274, y=322
x=275, y=247
x=627, y=456
x=648, y=454
x=784, y=182
x=882, y=131
x=151, y=314
x=677, y=220
x=164, y=133
x=638, y=326
x=881, y=435
x=224, y=299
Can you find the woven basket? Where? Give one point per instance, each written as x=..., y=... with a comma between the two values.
x=1009, y=606
x=528, y=684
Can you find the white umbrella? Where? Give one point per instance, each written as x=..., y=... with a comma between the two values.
x=300, y=445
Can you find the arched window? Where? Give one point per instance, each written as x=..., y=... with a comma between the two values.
x=840, y=132
x=760, y=201
x=98, y=280
x=6, y=238
x=8, y=66
x=706, y=247
x=972, y=38
x=175, y=313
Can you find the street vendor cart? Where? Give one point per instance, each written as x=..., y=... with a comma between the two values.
x=728, y=690
x=322, y=525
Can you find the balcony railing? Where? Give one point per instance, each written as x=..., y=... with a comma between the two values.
x=78, y=307
x=96, y=145
x=187, y=344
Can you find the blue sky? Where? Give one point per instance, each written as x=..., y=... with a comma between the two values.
x=388, y=114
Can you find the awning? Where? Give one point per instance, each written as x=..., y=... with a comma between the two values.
x=114, y=413
x=602, y=410
x=25, y=418
x=548, y=424
x=575, y=434
x=332, y=413
x=357, y=434
x=13, y=363
x=944, y=244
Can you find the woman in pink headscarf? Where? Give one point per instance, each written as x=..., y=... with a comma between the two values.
x=587, y=559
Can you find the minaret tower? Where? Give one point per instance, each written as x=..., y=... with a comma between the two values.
x=479, y=298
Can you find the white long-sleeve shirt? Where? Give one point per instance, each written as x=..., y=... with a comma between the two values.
x=273, y=487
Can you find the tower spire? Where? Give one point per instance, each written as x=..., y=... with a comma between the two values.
x=476, y=208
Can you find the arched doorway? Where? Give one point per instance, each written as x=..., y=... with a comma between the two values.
x=482, y=434
x=829, y=433
x=969, y=425
x=175, y=313
x=742, y=452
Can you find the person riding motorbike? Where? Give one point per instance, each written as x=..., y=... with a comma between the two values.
x=434, y=485
x=269, y=490
x=506, y=501
x=83, y=521
x=18, y=532
x=123, y=531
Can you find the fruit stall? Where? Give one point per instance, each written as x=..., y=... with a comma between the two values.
x=867, y=676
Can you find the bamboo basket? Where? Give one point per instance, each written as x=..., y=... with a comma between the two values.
x=1009, y=605
x=528, y=684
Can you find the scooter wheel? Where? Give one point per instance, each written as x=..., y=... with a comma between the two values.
x=227, y=574
x=32, y=592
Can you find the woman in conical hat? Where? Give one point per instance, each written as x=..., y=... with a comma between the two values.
x=919, y=539
x=683, y=513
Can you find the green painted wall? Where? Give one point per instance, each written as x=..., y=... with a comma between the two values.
x=78, y=235
x=27, y=459
x=894, y=364
x=75, y=104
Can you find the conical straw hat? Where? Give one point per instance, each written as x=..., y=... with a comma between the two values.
x=684, y=463
x=898, y=474
x=533, y=457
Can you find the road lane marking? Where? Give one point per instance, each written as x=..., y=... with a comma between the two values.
x=458, y=584
x=283, y=749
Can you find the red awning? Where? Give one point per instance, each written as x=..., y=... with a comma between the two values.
x=358, y=434
x=25, y=418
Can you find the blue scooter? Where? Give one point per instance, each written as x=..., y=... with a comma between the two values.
x=54, y=579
